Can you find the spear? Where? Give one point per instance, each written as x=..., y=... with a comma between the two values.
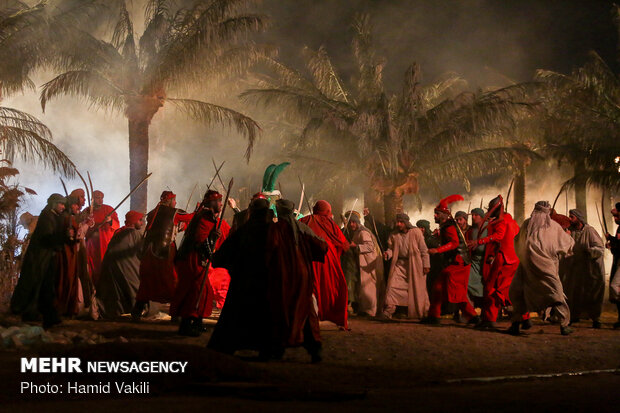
x=603, y=212
x=217, y=173
x=208, y=261
x=480, y=203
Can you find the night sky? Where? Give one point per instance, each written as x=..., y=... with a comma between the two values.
x=475, y=38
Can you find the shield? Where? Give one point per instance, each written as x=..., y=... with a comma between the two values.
x=160, y=231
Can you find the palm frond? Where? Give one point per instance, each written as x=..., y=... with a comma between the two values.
x=93, y=86
x=211, y=114
x=325, y=77
x=23, y=136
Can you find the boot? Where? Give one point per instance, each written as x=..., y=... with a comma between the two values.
x=566, y=330
x=474, y=320
x=526, y=324
x=514, y=328
x=138, y=310
x=187, y=328
x=596, y=324
x=433, y=321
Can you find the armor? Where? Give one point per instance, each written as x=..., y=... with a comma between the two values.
x=160, y=231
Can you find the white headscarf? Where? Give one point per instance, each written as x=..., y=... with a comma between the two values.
x=540, y=218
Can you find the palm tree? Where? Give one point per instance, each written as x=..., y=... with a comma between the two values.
x=179, y=49
x=424, y=135
x=22, y=135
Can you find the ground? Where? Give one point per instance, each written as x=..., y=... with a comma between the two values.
x=378, y=366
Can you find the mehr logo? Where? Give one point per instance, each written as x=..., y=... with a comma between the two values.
x=50, y=365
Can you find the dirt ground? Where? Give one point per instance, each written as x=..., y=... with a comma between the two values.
x=395, y=366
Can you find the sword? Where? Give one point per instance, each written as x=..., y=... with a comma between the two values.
x=135, y=188
x=508, y=196
x=346, y=224
x=603, y=212
x=204, y=274
x=92, y=192
x=304, y=194
x=191, y=194
x=64, y=187
x=86, y=187
x=217, y=173
x=217, y=170
x=301, y=199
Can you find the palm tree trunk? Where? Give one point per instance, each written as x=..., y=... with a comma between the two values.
x=581, y=194
x=138, y=160
x=372, y=201
x=392, y=204
x=519, y=195
x=337, y=205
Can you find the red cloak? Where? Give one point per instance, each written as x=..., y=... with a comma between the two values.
x=191, y=273
x=97, y=242
x=291, y=282
x=330, y=285
x=158, y=277
x=456, y=272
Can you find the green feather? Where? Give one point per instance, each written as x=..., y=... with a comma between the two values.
x=273, y=177
x=267, y=176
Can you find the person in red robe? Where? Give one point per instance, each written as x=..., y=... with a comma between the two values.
x=69, y=293
x=99, y=236
x=291, y=248
x=192, y=302
x=499, y=265
x=330, y=286
x=451, y=284
x=158, y=277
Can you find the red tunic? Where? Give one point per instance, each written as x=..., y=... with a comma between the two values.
x=68, y=284
x=158, y=278
x=330, y=285
x=500, y=258
x=457, y=272
x=191, y=273
x=97, y=242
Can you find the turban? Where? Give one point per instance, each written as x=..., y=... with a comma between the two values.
x=404, y=218
x=461, y=214
x=78, y=193
x=166, y=195
x=55, y=199
x=285, y=206
x=478, y=211
x=354, y=218
x=442, y=206
x=563, y=220
x=423, y=224
x=579, y=215
x=258, y=195
x=72, y=200
x=97, y=193
x=133, y=217
x=259, y=204
x=543, y=206
x=211, y=195
x=322, y=208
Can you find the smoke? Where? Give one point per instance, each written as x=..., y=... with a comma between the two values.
x=485, y=41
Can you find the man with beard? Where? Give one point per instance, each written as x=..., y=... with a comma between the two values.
x=158, y=277
x=35, y=290
x=99, y=236
x=451, y=284
x=369, y=287
x=120, y=269
x=409, y=265
x=241, y=325
x=584, y=284
x=461, y=220
x=291, y=248
x=330, y=286
x=499, y=265
x=536, y=285
x=204, y=235
x=613, y=243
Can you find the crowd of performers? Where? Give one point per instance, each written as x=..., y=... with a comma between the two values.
x=79, y=261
